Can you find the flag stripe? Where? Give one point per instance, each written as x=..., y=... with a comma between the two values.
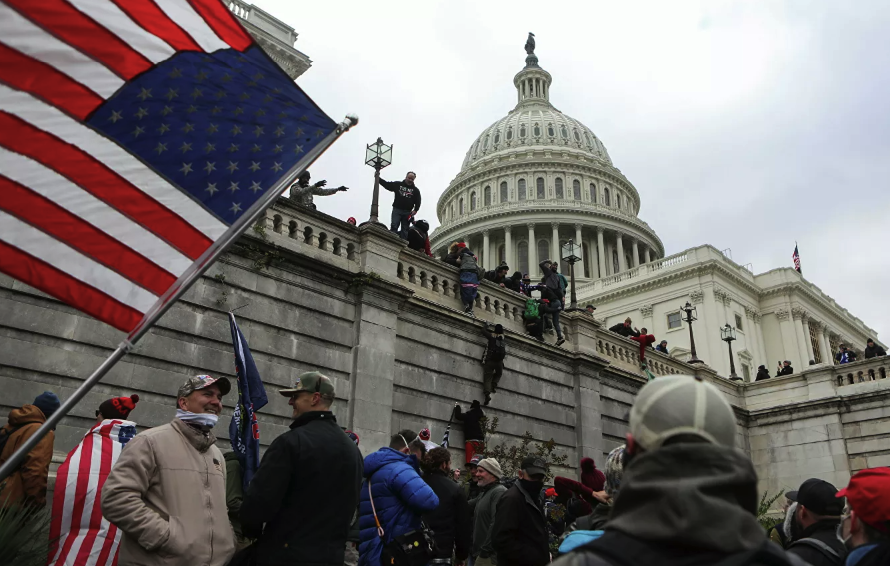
x=67, y=289
x=101, y=463
x=148, y=15
x=112, y=156
x=94, y=212
x=44, y=81
x=109, y=15
x=61, y=160
x=82, y=236
x=223, y=22
x=20, y=33
x=64, y=258
x=81, y=489
x=82, y=32
x=60, y=505
x=181, y=12
x=71, y=464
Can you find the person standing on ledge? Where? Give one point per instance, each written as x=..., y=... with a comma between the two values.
x=762, y=373
x=784, y=369
x=405, y=204
x=302, y=192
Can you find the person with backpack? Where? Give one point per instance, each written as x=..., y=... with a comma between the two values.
x=27, y=484
x=474, y=437
x=553, y=291
x=469, y=277
x=814, y=521
x=688, y=494
x=418, y=237
x=531, y=318
x=493, y=360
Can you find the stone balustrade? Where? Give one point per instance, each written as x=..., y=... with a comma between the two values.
x=859, y=372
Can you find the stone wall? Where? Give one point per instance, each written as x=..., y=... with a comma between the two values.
x=385, y=323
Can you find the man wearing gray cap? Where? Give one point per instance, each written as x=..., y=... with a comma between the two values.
x=301, y=502
x=688, y=495
x=167, y=491
x=488, y=479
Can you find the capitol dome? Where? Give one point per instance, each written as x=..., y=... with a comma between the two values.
x=537, y=178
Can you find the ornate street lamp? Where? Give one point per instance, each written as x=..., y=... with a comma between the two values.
x=571, y=254
x=727, y=334
x=690, y=313
x=378, y=155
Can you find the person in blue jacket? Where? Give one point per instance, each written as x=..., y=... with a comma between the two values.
x=400, y=496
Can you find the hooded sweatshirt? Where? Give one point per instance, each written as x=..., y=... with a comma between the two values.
x=28, y=482
x=590, y=476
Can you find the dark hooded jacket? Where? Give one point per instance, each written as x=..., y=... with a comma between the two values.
x=551, y=281
x=824, y=532
x=495, y=278
x=877, y=556
x=514, y=282
x=590, y=476
x=682, y=505
x=874, y=350
x=406, y=197
x=762, y=373
x=625, y=331
x=519, y=535
x=450, y=521
x=471, y=420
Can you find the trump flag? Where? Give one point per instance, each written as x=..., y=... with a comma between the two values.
x=137, y=139
x=244, y=430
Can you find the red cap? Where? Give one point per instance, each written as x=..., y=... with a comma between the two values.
x=551, y=492
x=868, y=494
x=461, y=245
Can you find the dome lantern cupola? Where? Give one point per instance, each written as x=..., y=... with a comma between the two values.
x=532, y=83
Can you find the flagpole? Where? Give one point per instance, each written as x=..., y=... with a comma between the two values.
x=174, y=293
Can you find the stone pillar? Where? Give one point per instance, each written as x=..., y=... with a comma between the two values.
x=554, y=242
x=805, y=326
x=486, y=250
x=635, y=252
x=761, y=345
x=798, y=315
x=532, y=251
x=508, y=246
x=622, y=263
x=578, y=237
x=755, y=343
x=600, y=252
x=825, y=345
x=646, y=255
x=789, y=337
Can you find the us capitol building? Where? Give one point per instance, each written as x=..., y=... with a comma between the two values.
x=537, y=178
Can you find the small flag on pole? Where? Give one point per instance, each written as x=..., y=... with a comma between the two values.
x=446, y=435
x=244, y=430
x=796, y=258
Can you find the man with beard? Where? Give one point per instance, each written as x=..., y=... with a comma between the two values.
x=688, y=495
x=520, y=530
x=865, y=526
x=812, y=523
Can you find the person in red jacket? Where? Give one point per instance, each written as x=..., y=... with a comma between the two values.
x=644, y=339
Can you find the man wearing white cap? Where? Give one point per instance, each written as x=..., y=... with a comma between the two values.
x=688, y=495
x=488, y=479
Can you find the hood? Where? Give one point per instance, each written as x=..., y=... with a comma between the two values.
x=230, y=456
x=26, y=414
x=690, y=495
x=587, y=465
x=516, y=276
x=386, y=456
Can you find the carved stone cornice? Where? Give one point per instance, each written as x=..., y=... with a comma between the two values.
x=554, y=225
x=782, y=314
x=799, y=313
x=531, y=226
x=750, y=312
x=815, y=324
x=723, y=296
x=697, y=297
x=578, y=226
x=646, y=310
x=485, y=233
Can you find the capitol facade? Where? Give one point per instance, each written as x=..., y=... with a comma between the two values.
x=537, y=178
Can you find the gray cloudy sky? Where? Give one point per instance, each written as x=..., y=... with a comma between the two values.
x=744, y=125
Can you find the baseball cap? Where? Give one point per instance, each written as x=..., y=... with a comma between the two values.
x=681, y=405
x=491, y=466
x=534, y=466
x=311, y=381
x=868, y=494
x=818, y=496
x=474, y=461
x=197, y=382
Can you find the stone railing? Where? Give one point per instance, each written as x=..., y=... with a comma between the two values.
x=658, y=266
x=859, y=372
x=625, y=353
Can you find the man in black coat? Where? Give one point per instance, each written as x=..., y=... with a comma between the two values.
x=307, y=486
x=450, y=521
x=625, y=329
x=405, y=204
x=814, y=523
x=784, y=369
x=474, y=436
x=762, y=373
x=498, y=276
x=872, y=349
x=519, y=535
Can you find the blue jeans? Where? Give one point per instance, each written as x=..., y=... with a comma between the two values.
x=555, y=307
x=398, y=222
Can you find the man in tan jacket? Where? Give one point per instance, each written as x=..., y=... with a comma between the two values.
x=27, y=484
x=167, y=492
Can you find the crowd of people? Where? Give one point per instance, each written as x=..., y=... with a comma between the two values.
x=678, y=492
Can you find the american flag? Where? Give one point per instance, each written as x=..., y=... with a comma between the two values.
x=796, y=257
x=79, y=534
x=137, y=139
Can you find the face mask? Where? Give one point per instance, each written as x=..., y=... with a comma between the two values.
x=532, y=487
x=840, y=534
x=203, y=419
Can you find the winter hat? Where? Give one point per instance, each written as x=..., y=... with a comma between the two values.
x=590, y=476
x=47, y=402
x=498, y=329
x=423, y=225
x=491, y=466
x=424, y=434
x=117, y=407
x=614, y=471
x=352, y=436
x=474, y=404
x=351, y=220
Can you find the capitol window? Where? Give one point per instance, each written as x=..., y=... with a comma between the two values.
x=485, y=145
x=543, y=251
x=576, y=189
x=523, y=256
x=504, y=193
x=564, y=133
x=497, y=137
x=550, y=131
x=521, y=184
x=617, y=200
x=487, y=196
x=559, y=192
x=577, y=136
x=674, y=320
x=539, y=186
x=738, y=322
x=592, y=193
x=460, y=206
x=510, y=133
x=522, y=131
x=537, y=131
x=606, y=200
x=587, y=137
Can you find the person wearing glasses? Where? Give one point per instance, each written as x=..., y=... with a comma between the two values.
x=306, y=489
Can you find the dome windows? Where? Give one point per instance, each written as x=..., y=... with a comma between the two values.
x=485, y=144
x=617, y=200
x=587, y=137
x=550, y=131
x=521, y=189
x=539, y=187
x=460, y=205
x=522, y=132
x=577, y=135
x=504, y=193
x=564, y=132
x=592, y=193
x=510, y=133
x=497, y=137
x=537, y=130
x=606, y=199
x=576, y=189
x=486, y=195
x=473, y=200
x=559, y=190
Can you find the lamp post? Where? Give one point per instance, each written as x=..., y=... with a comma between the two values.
x=571, y=254
x=690, y=313
x=727, y=334
x=378, y=155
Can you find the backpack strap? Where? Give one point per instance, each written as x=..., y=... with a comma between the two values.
x=819, y=545
x=380, y=532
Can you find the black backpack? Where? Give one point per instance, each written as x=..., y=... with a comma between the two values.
x=498, y=350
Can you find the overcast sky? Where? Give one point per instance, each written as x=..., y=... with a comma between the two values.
x=744, y=125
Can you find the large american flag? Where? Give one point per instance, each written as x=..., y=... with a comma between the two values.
x=79, y=534
x=134, y=135
x=795, y=257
